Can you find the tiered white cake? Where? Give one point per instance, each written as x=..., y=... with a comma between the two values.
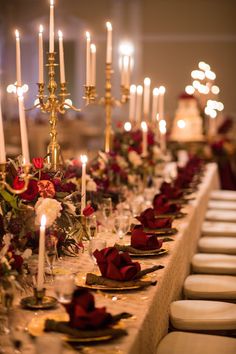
x=187, y=124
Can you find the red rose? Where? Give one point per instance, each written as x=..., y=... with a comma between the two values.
x=30, y=193
x=38, y=162
x=17, y=262
x=88, y=210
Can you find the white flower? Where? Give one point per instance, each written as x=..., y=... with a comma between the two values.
x=121, y=162
x=134, y=158
x=90, y=184
x=27, y=253
x=50, y=208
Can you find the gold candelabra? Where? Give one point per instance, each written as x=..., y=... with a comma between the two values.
x=25, y=177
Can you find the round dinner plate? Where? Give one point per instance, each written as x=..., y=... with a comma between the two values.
x=149, y=253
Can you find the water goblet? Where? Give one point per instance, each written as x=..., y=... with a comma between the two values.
x=51, y=252
x=106, y=207
x=64, y=287
x=92, y=226
x=95, y=244
x=121, y=225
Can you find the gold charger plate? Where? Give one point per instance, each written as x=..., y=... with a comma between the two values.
x=149, y=254
x=162, y=232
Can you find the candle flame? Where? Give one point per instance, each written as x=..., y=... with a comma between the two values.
x=51, y=2
x=162, y=126
x=43, y=221
x=83, y=159
x=40, y=28
x=144, y=126
x=139, y=89
x=109, y=26
x=17, y=33
x=162, y=90
x=87, y=35
x=60, y=34
x=132, y=89
x=126, y=48
x=157, y=117
x=155, y=91
x=127, y=126
x=147, y=81
x=93, y=48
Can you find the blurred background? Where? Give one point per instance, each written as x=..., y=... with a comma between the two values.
x=169, y=38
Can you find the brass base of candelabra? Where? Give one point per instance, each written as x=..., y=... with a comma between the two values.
x=38, y=301
x=54, y=156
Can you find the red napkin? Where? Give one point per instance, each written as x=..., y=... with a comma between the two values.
x=148, y=219
x=170, y=191
x=162, y=206
x=116, y=265
x=142, y=241
x=83, y=313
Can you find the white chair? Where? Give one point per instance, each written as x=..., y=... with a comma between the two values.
x=221, y=215
x=206, y=286
x=225, y=245
x=223, y=195
x=222, y=204
x=214, y=228
x=214, y=263
x=201, y=315
x=194, y=343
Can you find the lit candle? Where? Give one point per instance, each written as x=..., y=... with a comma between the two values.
x=162, y=91
x=125, y=71
x=41, y=256
x=18, y=59
x=2, y=140
x=132, y=103
x=51, y=27
x=23, y=128
x=88, y=66
x=84, y=160
x=144, y=138
x=146, y=97
x=109, y=43
x=139, y=103
x=93, y=64
x=162, y=129
x=40, y=54
x=155, y=94
x=127, y=126
x=61, y=58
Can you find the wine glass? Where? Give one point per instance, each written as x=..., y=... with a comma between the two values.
x=64, y=287
x=92, y=226
x=51, y=252
x=121, y=225
x=95, y=244
x=106, y=207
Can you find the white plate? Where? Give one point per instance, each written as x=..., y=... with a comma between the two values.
x=211, y=228
x=222, y=204
x=223, y=195
x=221, y=215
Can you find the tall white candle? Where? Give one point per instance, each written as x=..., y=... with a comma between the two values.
x=2, y=140
x=88, y=65
x=84, y=160
x=146, y=97
x=144, y=138
x=40, y=54
x=61, y=58
x=41, y=257
x=162, y=91
x=155, y=94
x=93, y=64
x=51, y=27
x=23, y=129
x=139, y=103
x=18, y=59
x=162, y=129
x=132, y=102
x=109, y=43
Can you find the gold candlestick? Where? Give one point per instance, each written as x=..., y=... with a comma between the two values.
x=25, y=177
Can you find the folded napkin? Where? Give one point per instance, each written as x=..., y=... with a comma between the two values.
x=142, y=241
x=162, y=206
x=148, y=219
x=170, y=191
x=116, y=265
x=83, y=313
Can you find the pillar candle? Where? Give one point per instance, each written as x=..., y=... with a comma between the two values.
x=93, y=64
x=132, y=102
x=18, y=59
x=23, y=130
x=139, y=103
x=40, y=54
x=146, y=97
x=162, y=128
x=109, y=43
x=88, y=65
x=41, y=256
x=162, y=91
x=51, y=27
x=2, y=140
x=83, y=159
x=61, y=58
x=155, y=94
x=144, y=138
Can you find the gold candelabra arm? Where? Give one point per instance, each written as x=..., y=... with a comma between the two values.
x=90, y=94
x=25, y=177
x=124, y=94
x=65, y=102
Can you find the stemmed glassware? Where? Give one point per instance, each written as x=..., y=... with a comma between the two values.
x=51, y=252
x=92, y=226
x=64, y=287
x=121, y=225
x=95, y=244
x=106, y=207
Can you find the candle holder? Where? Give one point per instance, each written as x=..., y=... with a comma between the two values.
x=25, y=177
x=39, y=300
x=90, y=94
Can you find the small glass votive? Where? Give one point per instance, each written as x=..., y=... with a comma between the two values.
x=64, y=287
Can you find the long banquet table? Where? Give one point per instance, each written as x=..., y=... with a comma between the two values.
x=150, y=307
